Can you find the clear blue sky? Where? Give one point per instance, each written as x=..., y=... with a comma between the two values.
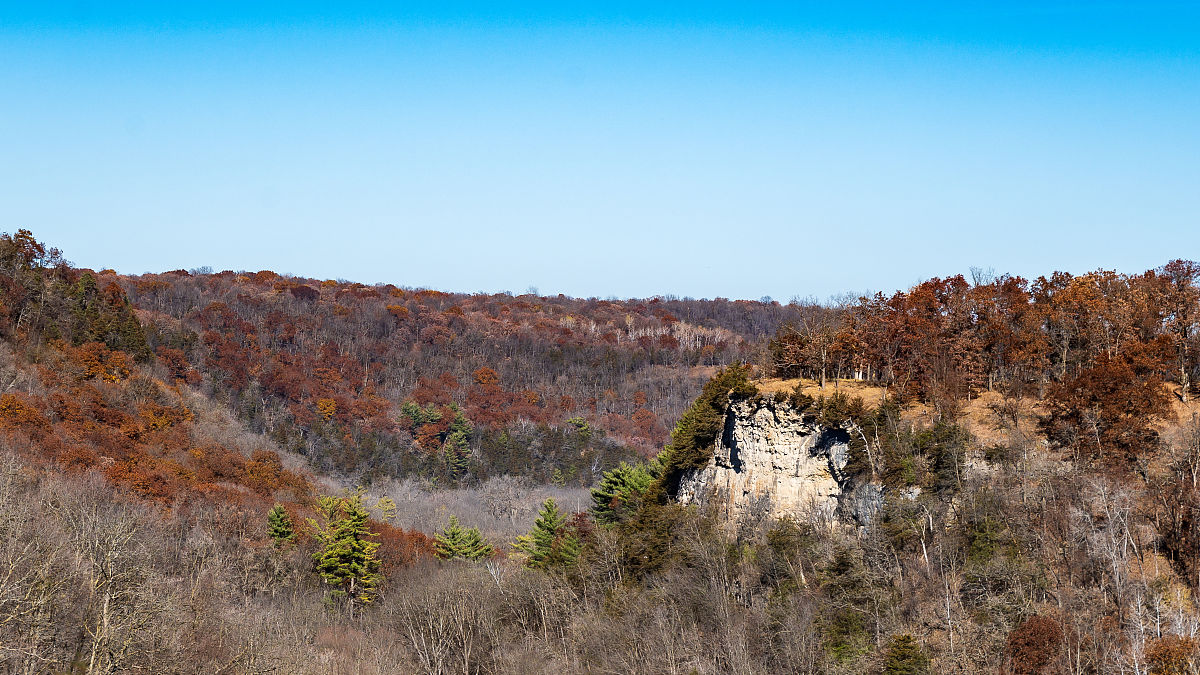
x=607, y=149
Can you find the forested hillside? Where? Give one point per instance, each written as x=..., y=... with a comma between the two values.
x=194, y=476
x=381, y=380
x=1104, y=354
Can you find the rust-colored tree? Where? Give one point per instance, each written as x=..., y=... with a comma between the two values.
x=1107, y=412
x=1033, y=647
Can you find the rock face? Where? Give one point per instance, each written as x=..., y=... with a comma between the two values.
x=770, y=461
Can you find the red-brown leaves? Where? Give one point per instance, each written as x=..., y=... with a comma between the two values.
x=1173, y=655
x=1109, y=410
x=305, y=293
x=435, y=391
x=95, y=361
x=400, y=548
x=486, y=377
x=21, y=413
x=177, y=365
x=1033, y=646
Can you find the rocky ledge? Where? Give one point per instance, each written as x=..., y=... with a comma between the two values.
x=773, y=460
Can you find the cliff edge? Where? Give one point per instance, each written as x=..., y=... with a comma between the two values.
x=773, y=460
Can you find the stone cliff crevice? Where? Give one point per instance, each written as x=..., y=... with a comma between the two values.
x=772, y=460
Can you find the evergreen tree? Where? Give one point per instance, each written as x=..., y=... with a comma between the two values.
x=387, y=509
x=457, y=453
x=905, y=657
x=456, y=541
x=461, y=426
x=551, y=544
x=620, y=489
x=280, y=527
x=697, y=430
x=87, y=323
x=456, y=448
x=130, y=335
x=346, y=560
x=106, y=316
x=410, y=411
x=26, y=268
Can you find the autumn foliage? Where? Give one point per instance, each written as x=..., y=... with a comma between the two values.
x=325, y=367
x=151, y=423
x=1099, y=349
x=88, y=403
x=1033, y=646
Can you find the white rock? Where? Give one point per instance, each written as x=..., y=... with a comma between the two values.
x=770, y=461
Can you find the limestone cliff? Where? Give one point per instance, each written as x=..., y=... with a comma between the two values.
x=771, y=459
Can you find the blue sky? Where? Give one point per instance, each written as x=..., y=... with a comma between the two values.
x=620, y=149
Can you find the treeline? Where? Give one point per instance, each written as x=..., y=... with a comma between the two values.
x=84, y=398
x=555, y=388
x=950, y=338
x=81, y=392
x=1098, y=349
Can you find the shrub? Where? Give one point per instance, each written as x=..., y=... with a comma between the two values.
x=904, y=656
x=1033, y=645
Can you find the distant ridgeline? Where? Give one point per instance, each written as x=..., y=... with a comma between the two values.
x=380, y=380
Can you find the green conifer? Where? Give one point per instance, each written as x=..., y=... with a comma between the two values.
x=457, y=453
x=106, y=317
x=905, y=657
x=551, y=544
x=692, y=440
x=87, y=324
x=619, y=488
x=280, y=527
x=456, y=541
x=346, y=560
x=132, y=337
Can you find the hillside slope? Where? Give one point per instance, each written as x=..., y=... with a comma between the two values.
x=368, y=380
x=173, y=450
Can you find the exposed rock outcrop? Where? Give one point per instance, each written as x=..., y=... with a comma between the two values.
x=773, y=460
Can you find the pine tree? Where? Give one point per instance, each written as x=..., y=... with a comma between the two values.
x=905, y=657
x=619, y=488
x=456, y=453
x=550, y=544
x=692, y=440
x=457, y=445
x=387, y=509
x=87, y=324
x=106, y=316
x=346, y=560
x=280, y=527
x=456, y=541
x=132, y=338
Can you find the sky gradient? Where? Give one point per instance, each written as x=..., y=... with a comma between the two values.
x=694, y=150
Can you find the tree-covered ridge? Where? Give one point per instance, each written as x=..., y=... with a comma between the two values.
x=79, y=394
x=42, y=297
x=333, y=369
x=951, y=338
x=1047, y=526
x=1098, y=349
x=85, y=400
